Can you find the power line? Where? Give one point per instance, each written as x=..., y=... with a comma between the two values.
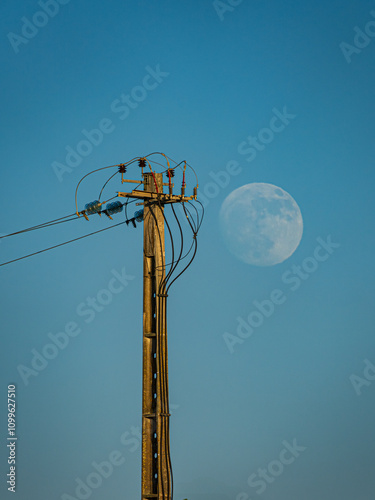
x=61, y=220
x=44, y=224
x=61, y=244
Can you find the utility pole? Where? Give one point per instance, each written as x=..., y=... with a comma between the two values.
x=155, y=404
x=156, y=461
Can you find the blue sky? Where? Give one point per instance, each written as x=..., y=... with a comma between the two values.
x=219, y=78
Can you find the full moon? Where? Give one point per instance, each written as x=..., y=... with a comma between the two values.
x=261, y=224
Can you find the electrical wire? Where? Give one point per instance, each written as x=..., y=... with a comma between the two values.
x=189, y=263
x=203, y=212
x=41, y=226
x=126, y=207
x=196, y=177
x=84, y=177
x=54, y=222
x=199, y=220
x=179, y=258
x=158, y=153
x=190, y=219
x=192, y=258
x=61, y=244
x=116, y=173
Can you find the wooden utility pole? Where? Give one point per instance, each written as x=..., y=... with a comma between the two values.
x=155, y=405
x=156, y=462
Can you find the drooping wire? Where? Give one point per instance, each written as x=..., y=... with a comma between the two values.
x=158, y=153
x=126, y=207
x=199, y=220
x=192, y=258
x=84, y=177
x=202, y=216
x=112, y=176
x=190, y=219
x=189, y=263
x=194, y=228
x=174, y=262
x=195, y=232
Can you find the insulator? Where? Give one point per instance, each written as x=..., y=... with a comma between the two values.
x=138, y=216
x=132, y=221
x=114, y=208
x=122, y=168
x=94, y=207
x=171, y=172
x=142, y=163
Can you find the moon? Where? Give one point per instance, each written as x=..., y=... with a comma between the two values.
x=261, y=224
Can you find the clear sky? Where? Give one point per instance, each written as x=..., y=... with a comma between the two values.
x=202, y=78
